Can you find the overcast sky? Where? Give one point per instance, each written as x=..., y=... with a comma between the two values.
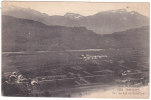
x=83, y=8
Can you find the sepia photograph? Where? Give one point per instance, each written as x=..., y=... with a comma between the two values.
x=75, y=49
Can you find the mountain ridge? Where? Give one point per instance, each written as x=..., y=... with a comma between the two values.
x=105, y=22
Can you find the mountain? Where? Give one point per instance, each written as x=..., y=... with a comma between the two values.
x=73, y=16
x=28, y=35
x=132, y=38
x=106, y=22
x=26, y=14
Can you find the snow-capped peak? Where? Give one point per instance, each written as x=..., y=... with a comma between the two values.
x=73, y=15
x=132, y=12
x=118, y=11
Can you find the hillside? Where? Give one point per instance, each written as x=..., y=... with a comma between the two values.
x=132, y=38
x=28, y=35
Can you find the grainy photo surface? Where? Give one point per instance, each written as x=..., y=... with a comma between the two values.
x=75, y=49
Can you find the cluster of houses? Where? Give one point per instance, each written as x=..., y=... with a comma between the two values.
x=92, y=57
x=15, y=77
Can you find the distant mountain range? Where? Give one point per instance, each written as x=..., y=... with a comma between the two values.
x=28, y=35
x=106, y=22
